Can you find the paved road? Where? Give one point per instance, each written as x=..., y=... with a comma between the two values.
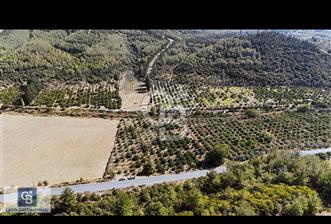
x=147, y=181
x=315, y=151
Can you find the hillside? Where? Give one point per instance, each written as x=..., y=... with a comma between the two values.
x=257, y=59
x=73, y=55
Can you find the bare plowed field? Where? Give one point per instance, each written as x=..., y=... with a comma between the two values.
x=55, y=149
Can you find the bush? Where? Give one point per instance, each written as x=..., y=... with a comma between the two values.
x=216, y=156
x=45, y=182
x=148, y=169
x=303, y=108
x=110, y=175
x=31, y=90
x=252, y=113
x=160, y=168
x=324, y=156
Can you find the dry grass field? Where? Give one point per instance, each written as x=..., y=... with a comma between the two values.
x=56, y=149
x=132, y=92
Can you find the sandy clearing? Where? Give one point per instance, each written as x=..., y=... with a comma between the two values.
x=132, y=92
x=55, y=149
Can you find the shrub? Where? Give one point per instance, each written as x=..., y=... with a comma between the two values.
x=45, y=182
x=252, y=113
x=216, y=156
x=303, y=108
x=148, y=169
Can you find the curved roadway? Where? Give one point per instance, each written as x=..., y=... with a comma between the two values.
x=139, y=181
x=143, y=181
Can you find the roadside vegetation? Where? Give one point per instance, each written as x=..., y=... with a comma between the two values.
x=277, y=184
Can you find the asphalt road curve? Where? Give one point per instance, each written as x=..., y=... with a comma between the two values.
x=139, y=181
x=144, y=181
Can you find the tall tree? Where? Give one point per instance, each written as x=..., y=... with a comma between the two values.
x=68, y=201
x=148, y=83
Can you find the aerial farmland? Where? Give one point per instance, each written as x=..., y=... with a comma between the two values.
x=55, y=149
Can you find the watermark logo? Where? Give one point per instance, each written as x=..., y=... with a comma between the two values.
x=172, y=123
x=169, y=120
x=26, y=200
x=26, y=197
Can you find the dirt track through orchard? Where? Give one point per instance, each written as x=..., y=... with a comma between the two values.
x=132, y=92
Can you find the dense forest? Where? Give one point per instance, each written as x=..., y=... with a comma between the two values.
x=266, y=58
x=260, y=59
x=277, y=184
x=73, y=55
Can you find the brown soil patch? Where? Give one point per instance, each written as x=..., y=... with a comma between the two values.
x=132, y=92
x=55, y=149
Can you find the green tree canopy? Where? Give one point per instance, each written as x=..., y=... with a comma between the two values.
x=68, y=201
x=124, y=204
x=216, y=156
x=252, y=113
x=148, y=169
